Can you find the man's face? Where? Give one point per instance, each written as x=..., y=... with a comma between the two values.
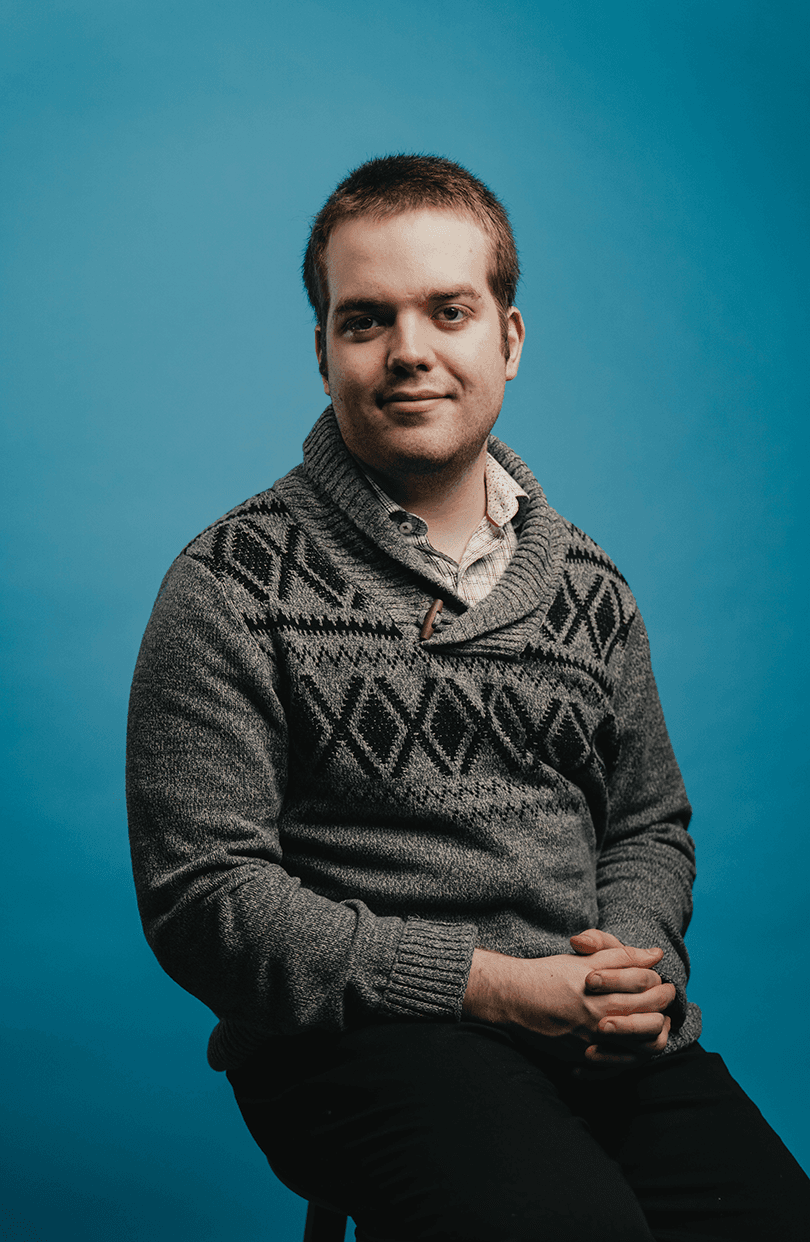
x=415, y=344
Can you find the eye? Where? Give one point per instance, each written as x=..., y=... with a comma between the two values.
x=363, y=323
x=452, y=314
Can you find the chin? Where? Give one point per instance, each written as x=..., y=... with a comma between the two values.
x=419, y=465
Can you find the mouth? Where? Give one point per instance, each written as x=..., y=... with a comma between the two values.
x=413, y=398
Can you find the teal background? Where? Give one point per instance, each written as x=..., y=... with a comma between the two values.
x=160, y=163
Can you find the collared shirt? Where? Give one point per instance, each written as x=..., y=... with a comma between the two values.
x=491, y=544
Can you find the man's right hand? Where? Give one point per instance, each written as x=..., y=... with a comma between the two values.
x=610, y=999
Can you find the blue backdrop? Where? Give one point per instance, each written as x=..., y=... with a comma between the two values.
x=161, y=160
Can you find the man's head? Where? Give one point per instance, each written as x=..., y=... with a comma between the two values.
x=394, y=184
x=413, y=344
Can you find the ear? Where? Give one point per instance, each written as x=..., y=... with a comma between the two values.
x=515, y=335
x=321, y=360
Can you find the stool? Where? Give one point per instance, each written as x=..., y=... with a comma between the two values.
x=324, y=1224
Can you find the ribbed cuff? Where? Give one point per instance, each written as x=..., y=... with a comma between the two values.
x=431, y=969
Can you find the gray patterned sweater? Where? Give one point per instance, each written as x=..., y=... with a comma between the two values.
x=327, y=814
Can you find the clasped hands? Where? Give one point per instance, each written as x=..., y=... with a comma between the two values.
x=608, y=997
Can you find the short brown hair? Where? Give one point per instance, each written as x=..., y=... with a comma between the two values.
x=392, y=184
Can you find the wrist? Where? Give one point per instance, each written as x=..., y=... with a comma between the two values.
x=489, y=986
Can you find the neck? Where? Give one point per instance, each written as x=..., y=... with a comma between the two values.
x=452, y=506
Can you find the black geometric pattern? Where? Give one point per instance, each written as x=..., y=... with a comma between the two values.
x=320, y=625
x=591, y=555
x=404, y=719
x=285, y=569
x=587, y=626
x=593, y=613
x=565, y=735
x=447, y=728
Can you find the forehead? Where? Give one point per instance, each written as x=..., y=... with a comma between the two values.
x=407, y=254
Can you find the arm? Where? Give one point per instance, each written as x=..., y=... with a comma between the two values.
x=646, y=864
x=611, y=1001
x=206, y=773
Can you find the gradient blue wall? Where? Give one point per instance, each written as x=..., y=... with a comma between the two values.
x=160, y=163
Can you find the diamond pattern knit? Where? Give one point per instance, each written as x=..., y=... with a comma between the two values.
x=328, y=814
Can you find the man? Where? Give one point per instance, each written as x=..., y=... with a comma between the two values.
x=404, y=810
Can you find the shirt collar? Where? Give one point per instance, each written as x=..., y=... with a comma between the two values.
x=503, y=497
x=503, y=493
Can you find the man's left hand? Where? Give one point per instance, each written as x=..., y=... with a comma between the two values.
x=626, y=1042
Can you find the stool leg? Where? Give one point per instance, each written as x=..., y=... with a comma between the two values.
x=324, y=1224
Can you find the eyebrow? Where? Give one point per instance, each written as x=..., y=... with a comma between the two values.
x=360, y=304
x=349, y=305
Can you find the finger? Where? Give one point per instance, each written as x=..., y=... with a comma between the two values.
x=621, y=1004
x=629, y=979
x=592, y=940
x=660, y=1043
x=643, y=1049
x=621, y=956
x=638, y=1027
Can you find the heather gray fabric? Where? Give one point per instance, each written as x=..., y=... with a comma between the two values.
x=327, y=815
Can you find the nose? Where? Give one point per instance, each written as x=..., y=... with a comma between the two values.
x=410, y=347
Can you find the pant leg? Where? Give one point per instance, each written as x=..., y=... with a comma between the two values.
x=466, y=1133
x=699, y=1155
x=442, y=1133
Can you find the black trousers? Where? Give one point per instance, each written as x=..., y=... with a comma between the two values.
x=474, y=1133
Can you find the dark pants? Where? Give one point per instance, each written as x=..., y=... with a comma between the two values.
x=470, y=1133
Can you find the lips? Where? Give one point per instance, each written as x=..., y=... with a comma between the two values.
x=406, y=398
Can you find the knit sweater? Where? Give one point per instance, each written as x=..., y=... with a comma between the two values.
x=327, y=815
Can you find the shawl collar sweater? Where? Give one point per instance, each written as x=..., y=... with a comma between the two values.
x=327, y=814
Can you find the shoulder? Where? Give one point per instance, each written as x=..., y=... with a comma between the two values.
x=271, y=557
x=584, y=562
x=580, y=563
x=589, y=616
x=244, y=547
x=265, y=511
x=593, y=616
x=221, y=569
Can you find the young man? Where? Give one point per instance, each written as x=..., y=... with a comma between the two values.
x=404, y=810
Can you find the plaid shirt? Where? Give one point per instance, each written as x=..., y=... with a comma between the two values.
x=491, y=544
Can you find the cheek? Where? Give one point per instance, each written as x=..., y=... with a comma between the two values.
x=355, y=379
x=481, y=359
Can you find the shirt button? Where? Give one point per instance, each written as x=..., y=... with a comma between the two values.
x=407, y=528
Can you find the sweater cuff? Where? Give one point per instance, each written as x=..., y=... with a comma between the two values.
x=431, y=970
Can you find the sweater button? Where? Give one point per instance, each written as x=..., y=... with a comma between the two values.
x=407, y=528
